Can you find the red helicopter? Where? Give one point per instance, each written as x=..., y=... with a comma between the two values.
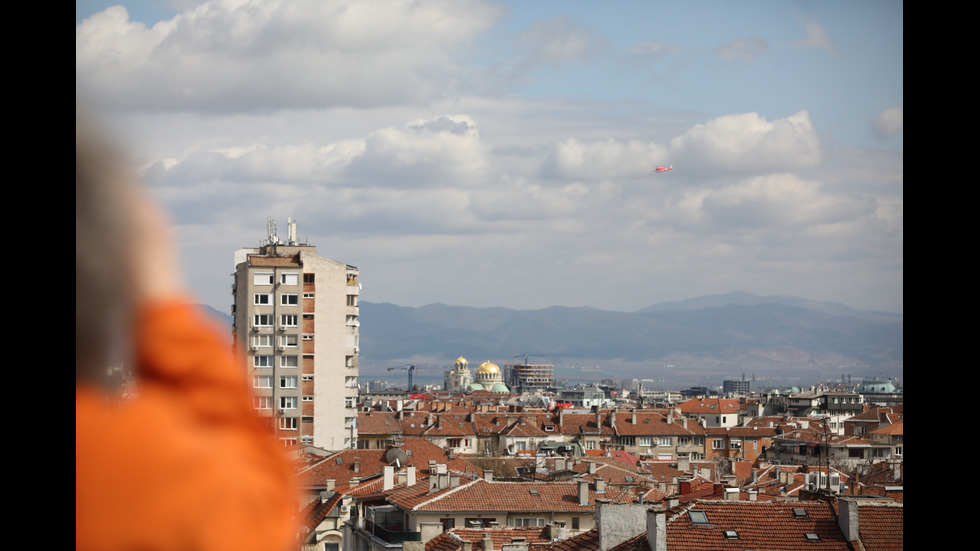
x=663, y=168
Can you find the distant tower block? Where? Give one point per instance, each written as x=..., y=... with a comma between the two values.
x=296, y=328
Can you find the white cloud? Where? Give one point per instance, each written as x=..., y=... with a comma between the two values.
x=609, y=158
x=780, y=202
x=653, y=49
x=748, y=143
x=742, y=49
x=228, y=56
x=560, y=40
x=888, y=122
x=425, y=153
x=816, y=37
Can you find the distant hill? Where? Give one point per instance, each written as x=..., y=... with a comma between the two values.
x=717, y=334
x=705, y=338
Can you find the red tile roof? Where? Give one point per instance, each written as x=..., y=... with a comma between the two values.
x=762, y=526
x=452, y=540
x=881, y=526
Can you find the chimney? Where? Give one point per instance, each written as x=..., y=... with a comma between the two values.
x=591, y=465
x=633, y=417
x=454, y=480
x=487, y=542
x=753, y=495
x=331, y=483
x=467, y=545
x=583, y=493
x=684, y=486
x=618, y=523
x=600, y=485
x=410, y=476
x=357, y=465
x=848, y=518
x=657, y=528
x=389, y=478
x=556, y=532
x=488, y=476
x=559, y=464
x=731, y=494
x=398, y=405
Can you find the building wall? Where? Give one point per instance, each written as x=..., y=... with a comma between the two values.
x=321, y=347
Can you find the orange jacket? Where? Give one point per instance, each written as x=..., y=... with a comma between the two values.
x=186, y=464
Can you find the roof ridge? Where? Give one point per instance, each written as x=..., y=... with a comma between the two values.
x=450, y=492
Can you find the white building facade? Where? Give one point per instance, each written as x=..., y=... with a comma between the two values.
x=296, y=327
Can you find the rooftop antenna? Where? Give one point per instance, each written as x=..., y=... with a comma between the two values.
x=270, y=226
x=291, y=225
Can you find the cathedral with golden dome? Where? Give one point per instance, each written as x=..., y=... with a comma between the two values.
x=488, y=377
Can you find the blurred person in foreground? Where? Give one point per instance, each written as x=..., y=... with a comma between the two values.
x=184, y=462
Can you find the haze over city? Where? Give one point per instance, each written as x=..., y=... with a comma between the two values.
x=502, y=153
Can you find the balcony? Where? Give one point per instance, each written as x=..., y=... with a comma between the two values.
x=391, y=533
x=387, y=523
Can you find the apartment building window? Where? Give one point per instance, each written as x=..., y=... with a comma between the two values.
x=698, y=440
x=287, y=442
x=261, y=341
x=262, y=381
x=308, y=440
x=288, y=402
x=262, y=402
x=263, y=278
x=627, y=441
x=645, y=441
x=288, y=320
x=288, y=423
x=288, y=361
x=307, y=398
x=309, y=296
x=521, y=522
x=665, y=441
x=307, y=337
x=718, y=444
x=261, y=298
x=684, y=441
x=351, y=300
x=261, y=361
x=735, y=444
x=309, y=278
x=575, y=523
x=307, y=378
x=289, y=279
x=289, y=341
x=289, y=381
x=289, y=299
x=349, y=402
x=262, y=320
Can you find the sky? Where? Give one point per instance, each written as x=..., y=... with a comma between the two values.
x=479, y=153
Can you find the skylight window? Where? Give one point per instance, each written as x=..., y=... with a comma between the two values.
x=812, y=536
x=533, y=491
x=800, y=513
x=730, y=534
x=698, y=517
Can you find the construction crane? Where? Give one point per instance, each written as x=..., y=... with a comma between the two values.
x=411, y=371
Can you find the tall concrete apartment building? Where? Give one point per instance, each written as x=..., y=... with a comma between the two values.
x=296, y=326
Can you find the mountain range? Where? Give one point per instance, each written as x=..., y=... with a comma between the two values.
x=702, y=340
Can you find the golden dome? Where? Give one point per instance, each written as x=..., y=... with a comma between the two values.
x=488, y=367
x=461, y=362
